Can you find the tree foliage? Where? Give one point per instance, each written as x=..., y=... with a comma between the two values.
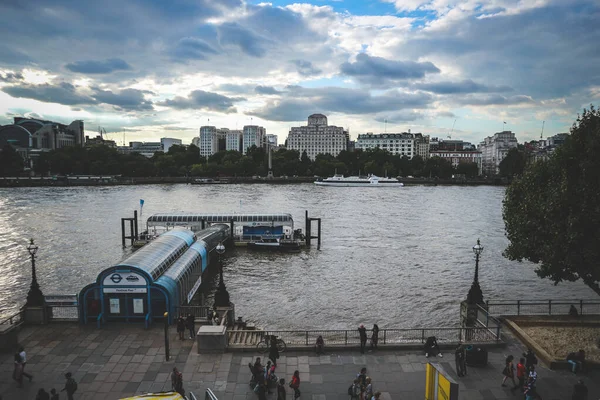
x=11, y=163
x=514, y=163
x=552, y=212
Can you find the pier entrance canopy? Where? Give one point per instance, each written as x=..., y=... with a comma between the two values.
x=162, y=275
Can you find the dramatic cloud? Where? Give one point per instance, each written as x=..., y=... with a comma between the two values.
x=98, y=67
x=466, y=86
x=11, y=77
x=199, y=99
x=495, y=99
x=192, y=48
x=266, y=90
x=399, y=117
x=379, y=70
x=126, y=99
x=235, y=34
x=305, y=68
x=61, y=93
x=300, y=100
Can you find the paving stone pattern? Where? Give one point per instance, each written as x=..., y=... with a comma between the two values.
x=122, y=360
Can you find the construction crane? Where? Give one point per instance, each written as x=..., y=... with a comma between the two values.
x=542, y=134
x=101, y=132
x=450, y=134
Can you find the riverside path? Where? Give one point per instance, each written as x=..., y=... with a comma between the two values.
x=121, y=360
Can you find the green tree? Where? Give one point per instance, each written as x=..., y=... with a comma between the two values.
x=11, y=163
x=552, y=211
x=513, y=164
x=417, y=164
x=470, y=170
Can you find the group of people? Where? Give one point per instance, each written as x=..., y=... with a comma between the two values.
x=264, y=379
x=188, y=323
x=20, y=361
x=362, y=332
x=362, y=387
x=525, y=373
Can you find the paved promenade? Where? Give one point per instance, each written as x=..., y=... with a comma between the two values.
x=122, y=360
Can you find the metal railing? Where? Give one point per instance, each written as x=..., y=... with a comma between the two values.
x=62, y=307
x=209, y=395
x=386, y=336
x=12, y=321
x=542, y=307
x=196, y=311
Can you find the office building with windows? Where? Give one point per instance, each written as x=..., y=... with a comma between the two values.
x=318, y=137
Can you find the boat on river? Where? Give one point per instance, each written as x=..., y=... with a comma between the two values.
x=359, y=181
x=275, y=244
x=208, y=181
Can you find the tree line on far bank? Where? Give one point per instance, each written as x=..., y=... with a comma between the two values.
x=186, y=161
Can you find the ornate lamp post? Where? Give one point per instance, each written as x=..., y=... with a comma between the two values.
x=475, y=295
x=221, y=295
x=35, y=297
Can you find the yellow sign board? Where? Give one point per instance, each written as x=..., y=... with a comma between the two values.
x=438, y=384
x=157, y=396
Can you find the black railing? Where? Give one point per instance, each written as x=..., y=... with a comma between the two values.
x=12, y=320
x=543, y=307
x=196, y=311
x=62, y=307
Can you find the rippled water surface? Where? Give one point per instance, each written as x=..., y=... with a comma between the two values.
x=397, y=256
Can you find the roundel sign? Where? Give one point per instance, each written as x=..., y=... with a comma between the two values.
x=124, y=279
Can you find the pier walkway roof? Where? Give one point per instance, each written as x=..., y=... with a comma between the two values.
x=169, y=219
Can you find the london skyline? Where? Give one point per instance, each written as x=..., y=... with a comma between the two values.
x=152, y=70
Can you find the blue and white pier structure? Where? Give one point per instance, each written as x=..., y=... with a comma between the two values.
x=159, y=277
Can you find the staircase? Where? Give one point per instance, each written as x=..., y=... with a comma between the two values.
x=242, y=335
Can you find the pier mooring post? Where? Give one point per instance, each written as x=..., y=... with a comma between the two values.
x=309, y=235
x=133, y=229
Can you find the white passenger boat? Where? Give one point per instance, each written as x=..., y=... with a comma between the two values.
x=369, y=181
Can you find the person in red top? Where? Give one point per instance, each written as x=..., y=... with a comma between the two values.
x=521, y=374
x=295, y=384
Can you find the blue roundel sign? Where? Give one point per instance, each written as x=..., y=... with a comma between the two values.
x=116, y=278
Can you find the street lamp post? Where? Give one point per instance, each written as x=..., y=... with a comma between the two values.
x=221, y=295
x=475, y=295
x=35, y=297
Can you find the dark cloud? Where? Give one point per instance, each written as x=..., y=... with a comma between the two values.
x=266, y=90
x=62, y=93
x=11, y=77
x=235, y=88
x=126, y=99
x=445, y=114
x=98, y=67
x=199, y=99
x=305, y=68
x=299, y=101
x=494, y=99
x=237, y=35
x=12, y=56
x=192, y=48
x=400, y=116
x=466, y=86
x=379, y=70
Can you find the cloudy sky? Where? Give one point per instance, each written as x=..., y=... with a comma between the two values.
x=150, y=69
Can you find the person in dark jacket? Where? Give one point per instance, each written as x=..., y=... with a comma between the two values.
x=273, y=350
x=42, y=395
x=375, y=336
x=53, y=394
x=177, y=381
x=576, y=360
x=180, y=327
x=362, y=331
x=431, y=347
x=190, y=323
x=530, y=359
x=580, y=391
x=281, y=393
x=460, y=360
x=70, y=386
x=320, y=345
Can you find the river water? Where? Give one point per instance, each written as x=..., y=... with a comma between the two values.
x=401, y=257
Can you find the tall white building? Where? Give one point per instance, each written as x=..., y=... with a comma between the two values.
x=402, y=144
x=168, y=142
x=196, y=141
x=253, y=135
x=234, y=140
x=272, y=140
x=208, y=142
x=318, y=137
x=493, y=150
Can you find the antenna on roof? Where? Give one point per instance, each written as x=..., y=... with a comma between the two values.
x=385, y=122
x=450, y=134
x=542, y=134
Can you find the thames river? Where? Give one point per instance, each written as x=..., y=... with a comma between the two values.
x=400, y=257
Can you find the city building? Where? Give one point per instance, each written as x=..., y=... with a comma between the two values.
x=402, y=144
x=31, y=136
x=272, y=140
x=493, y=150
x=168, y=142
x=209, y=143
x=147, y=149
x=234, y=140
x=318, y=137
x=542, y=149
x=421, y=145
x=196, y=141
x=253, y=135
x=450, y=145
x=460, y=157
x=99, y=140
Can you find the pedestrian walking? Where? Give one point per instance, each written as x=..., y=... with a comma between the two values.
x=375, y=336
x=362, y=377
x=24, y=362
x=70, y=386
x=18, y=370
x=261, y=390
x=460, y=360
x=368, y=389
x=362, y=331
x=576, y=360
x=509, y=371
x=273, y=350
x=190, y=323
x=376, y=396
x=180, y=327
x=530, y=391
x=530, y=359
x=580, y=391
x=354, y=390
x=521, y=374
x=42, y=395
x=53, y=394
x=177, y=381
x=533, y=374
x=281, y=393
x=295, y=384
x=320, y=345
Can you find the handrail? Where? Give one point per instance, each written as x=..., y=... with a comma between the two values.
x=224, y=318
x=543, y=306
x=209, y=395
x=99, y=320
x=14, y=319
